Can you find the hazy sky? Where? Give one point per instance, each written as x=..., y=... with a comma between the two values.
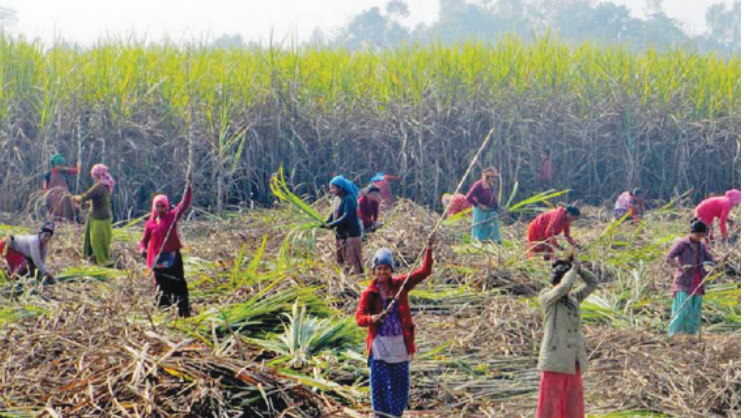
x=84, y=21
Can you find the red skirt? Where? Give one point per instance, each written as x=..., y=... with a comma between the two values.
x=17, y=262
x=561, y=395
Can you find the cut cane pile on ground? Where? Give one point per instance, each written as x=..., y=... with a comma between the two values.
x=273, y=332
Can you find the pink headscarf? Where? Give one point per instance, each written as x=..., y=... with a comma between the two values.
x=161, y=198
x=100, y=173
x=734, y=196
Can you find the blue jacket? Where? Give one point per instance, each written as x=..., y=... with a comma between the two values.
x=346, y=222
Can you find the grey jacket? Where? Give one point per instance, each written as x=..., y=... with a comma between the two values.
x=30, y=247
x=563, y=342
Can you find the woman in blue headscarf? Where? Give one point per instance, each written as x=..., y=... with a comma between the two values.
x=345, y=221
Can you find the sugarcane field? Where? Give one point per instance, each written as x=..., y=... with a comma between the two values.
x=516, y=208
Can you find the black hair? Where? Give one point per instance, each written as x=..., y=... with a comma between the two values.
x=698, y=226
x=560, y=268
x=373, y=189
x=573, y=211
x=636, y=191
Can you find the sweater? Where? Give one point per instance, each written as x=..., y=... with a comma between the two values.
x=157, y=229
x=30, y=247
x=715, y=207
x=344, y=218
x=371, y=304
x=100, y=200
x=563, y=341
x=479, y=195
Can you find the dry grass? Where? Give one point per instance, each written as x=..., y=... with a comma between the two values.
x=100, y=348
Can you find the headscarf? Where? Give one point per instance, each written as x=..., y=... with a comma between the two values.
x=446, y=198
x=380, y=176
x=57, y=160
x=734, y=196
x=161, y=198
x=383, y=256
x=346, y=185
x=47, y=227
x=100, y=173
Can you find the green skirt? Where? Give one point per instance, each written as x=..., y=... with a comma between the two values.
x=686, y=321
x=485, y=226
x=97, y=241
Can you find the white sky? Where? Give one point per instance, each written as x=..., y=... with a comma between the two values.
x=85, y=21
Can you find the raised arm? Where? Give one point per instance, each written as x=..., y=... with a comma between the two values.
x=562, y=289
x=184, y=204
x=590, y=284
x=390, y=177
x=421, y=273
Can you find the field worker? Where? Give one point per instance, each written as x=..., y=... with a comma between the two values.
x=161, y=232
x=459, y=203
x=542, y=231
x=687, y=256
x=484, y=197
x=345, y=221
x=99, y=225
x=717, y=207
x=390, y=338
x=57, y=190
x=545, y=176
x=369, y=208
x=630, y=202
x=563, y=352
x=27, y=254
x=382, y=181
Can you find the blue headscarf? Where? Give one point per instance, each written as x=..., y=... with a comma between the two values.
x=346, y=185
x=378, y=177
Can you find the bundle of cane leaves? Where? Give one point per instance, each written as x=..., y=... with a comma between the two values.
x=89, y=272
x=530, y=204
x=282, y=191
x=17, y=313
x=305, y=336
x=260, y=315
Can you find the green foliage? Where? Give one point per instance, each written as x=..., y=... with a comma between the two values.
x=305, y=336
x=282, y=191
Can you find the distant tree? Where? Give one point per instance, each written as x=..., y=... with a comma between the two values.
x=373, y=29
x=7, y=18
x=397, y=8
x=228, y=41
x=318, y=37
x=599, y=21
x=724, y=28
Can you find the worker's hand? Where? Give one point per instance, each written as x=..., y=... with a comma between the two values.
x=143, y=253
x=77, y=165
x=379, y=317
x=324, y=225
x=432, y=240
x=483, y=207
